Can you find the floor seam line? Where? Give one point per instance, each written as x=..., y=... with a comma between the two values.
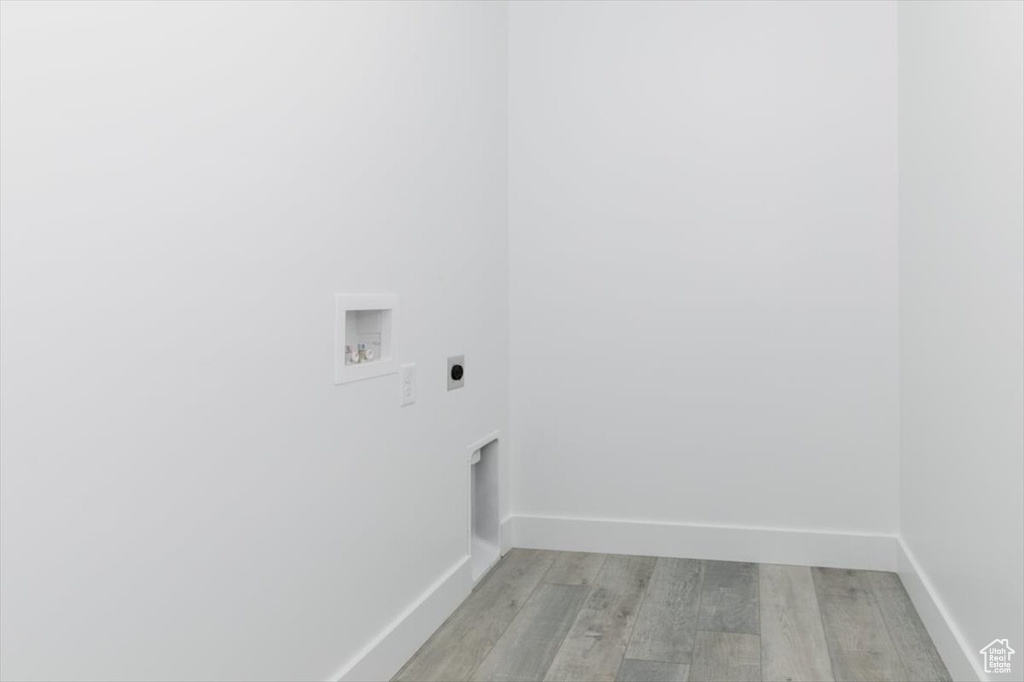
x=561, y=643
x=821, y=617
x=888, y=630
x=510, y=621
x=604, y=561
x=636, y=619
x=760, y=627
x=700, y=605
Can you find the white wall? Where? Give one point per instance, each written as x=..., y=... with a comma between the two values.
x=703, y=294
x=185, y=186
x=703, y=262
x=961, y=151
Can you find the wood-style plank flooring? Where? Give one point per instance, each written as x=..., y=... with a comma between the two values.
x=553, y=616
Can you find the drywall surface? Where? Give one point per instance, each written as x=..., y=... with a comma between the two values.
x=961, y=151
x=185, y=186
x=703, y=263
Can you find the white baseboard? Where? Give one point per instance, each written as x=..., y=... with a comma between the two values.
x=726, y=543
x=388, y=652
x=960, y=659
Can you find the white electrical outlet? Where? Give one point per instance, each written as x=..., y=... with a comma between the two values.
x=407, y=383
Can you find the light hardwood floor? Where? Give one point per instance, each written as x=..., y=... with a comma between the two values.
x=596, y=617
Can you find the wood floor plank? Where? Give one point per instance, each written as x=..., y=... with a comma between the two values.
x=726, y=656
x=667, y=623
x=793, y=647
x=462, y=642
x=913, y=644
x=526, y=649
x=729, y=598
x=652, y=671
x=597, y=640
x=575, y=568
x=858, y=640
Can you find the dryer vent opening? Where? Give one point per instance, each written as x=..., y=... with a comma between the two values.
x=484, y=547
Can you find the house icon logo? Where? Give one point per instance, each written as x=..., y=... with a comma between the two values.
x=997, y=656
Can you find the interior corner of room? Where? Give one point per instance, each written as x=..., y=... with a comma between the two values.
x=337, y=333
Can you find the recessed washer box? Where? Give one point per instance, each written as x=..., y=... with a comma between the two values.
x=365, y=335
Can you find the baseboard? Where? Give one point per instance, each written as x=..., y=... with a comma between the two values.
x=388, y=652
x=726, y=543
x=961, y=660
